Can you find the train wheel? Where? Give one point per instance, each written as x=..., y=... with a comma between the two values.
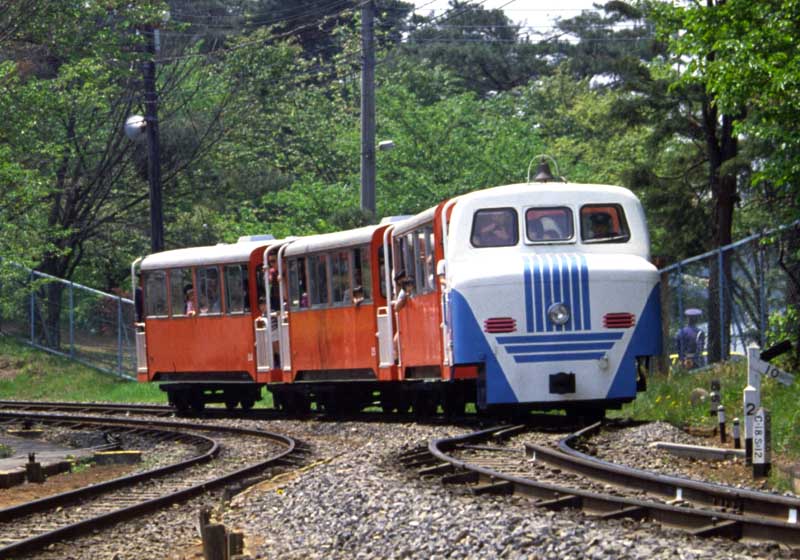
x=425, y=404
x=454, y=404
x=197, y=402
x=232, y=403
x=395, y=404
x=247, y=403
x=181, y=401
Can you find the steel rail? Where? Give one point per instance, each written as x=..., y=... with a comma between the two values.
x=742, y=501
x=695, y=521
x=69, y=531
x=87, y=407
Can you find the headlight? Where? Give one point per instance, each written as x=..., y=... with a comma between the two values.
x=558, y=313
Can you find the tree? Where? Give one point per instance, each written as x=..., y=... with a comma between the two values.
x=483, y=48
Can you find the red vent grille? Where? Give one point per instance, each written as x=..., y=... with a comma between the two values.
x=499, y=325
x=619, y=320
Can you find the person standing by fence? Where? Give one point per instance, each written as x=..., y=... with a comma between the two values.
x=691, y=341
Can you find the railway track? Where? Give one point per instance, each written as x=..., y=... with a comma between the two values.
x=30, y=526
x=488, y=465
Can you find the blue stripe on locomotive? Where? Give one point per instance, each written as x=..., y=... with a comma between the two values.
x=556, y=278
x=646, y=341
x=471, y=346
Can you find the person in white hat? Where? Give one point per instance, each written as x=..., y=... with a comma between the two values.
x=691, y=341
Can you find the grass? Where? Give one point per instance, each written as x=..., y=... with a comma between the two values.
x=43, y=376
x=668, y=398
x=46, y=377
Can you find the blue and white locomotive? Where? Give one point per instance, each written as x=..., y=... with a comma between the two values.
x=550, y=292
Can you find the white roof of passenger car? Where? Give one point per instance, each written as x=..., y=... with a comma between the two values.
x=414, y=221
x=222, y=253
x=329, y=241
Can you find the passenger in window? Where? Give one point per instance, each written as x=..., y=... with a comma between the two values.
x=535, y=230
x=498, y=231
x=304, y=299
x=358, y=296
x=600, y=225
x=402, y=282
x=274, y=287
x=188, y=300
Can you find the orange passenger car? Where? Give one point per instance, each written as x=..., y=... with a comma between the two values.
x=335, y=327
x=196, y=334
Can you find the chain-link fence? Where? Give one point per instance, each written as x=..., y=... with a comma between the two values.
x=714, y=305
x=89, y=326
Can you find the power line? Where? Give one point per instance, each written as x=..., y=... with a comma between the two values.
x=272, y=37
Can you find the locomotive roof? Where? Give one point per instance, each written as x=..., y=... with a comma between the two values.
x=568, y=192
x=328, y=241
x=222, y=253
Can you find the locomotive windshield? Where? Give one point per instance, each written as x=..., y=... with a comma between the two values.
x=604, y=223
x=495, y=227
x=548, y=224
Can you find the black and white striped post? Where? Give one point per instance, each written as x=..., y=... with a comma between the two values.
x=715, y=397
x=762, y=448
x=723, y=436
x=737, y=434
x=751, y=403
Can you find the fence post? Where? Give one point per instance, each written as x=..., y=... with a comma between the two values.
x=32, y=309
x=119, y=334
x=1, y=294
x=762, y=295
x=721, y=286
x=71, y=322
x=680, y=294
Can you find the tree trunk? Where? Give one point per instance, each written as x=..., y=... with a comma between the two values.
x=721, y=146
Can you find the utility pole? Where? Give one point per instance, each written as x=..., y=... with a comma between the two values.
x=368, y=108
x=153, y=152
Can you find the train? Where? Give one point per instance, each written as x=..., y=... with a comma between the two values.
x=529, y=296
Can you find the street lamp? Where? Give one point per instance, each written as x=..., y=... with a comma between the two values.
x=135, y=125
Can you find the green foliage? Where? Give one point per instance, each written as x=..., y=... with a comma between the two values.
x=785, y=325
x=46, y=377
x=744, y=54
x=667, y=398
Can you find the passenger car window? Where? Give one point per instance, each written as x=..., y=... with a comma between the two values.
x=318, y=277
x=236, y=294
x=548, y=224
x=495, y=227
x=208, y=296
x=362, y=273
x=155, y=293
x=340, y=277
x=298, y=290
x=604, y=223
x=181, y=292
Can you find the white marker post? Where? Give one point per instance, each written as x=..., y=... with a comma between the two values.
x=762, y=448
x=752, y=400
x=753, y=377
x=751, y=403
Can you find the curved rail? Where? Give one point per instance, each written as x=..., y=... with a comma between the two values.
x=35, y=542
x=742, y=501
x=698, y=522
